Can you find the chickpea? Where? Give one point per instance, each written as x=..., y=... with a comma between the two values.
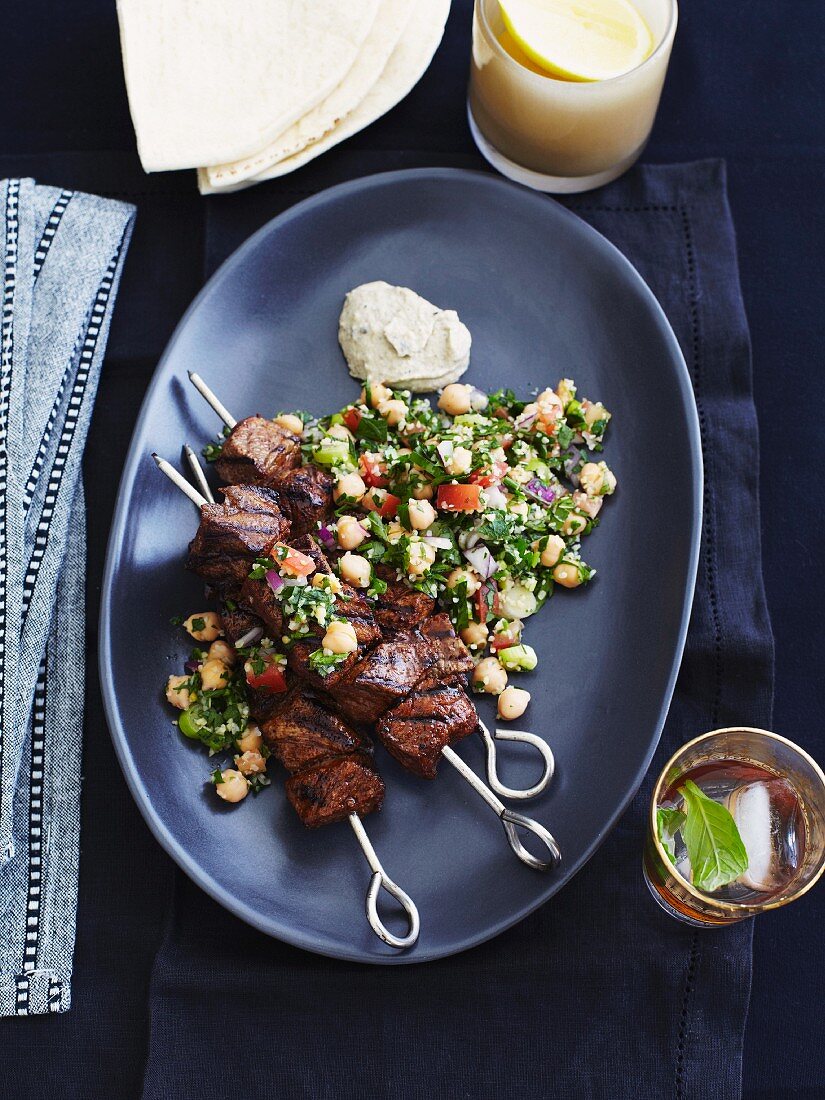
x=549, y=406
x=208, y=626
x=594, y=412
x=176, y=692
x=519, y=508
x=395, y=531
x=461, y=461
x=252, y=740
x=512, y=703
x=422, y=515
x=355, y=569
x=379, y=394
x=214, y=674
x=566, y=390
x=234, y=786
x=393, y=412
x=223, y=651
x=340, y=638
x=567, y=575
x=456, y=399
x=475, y=635
x=459, y=575
x=597, y=479
x=423, y=491
x=490, y=676
x=340, y=431
x=350, y=533
x=290, y=423
x=552, y=551
x=250, y=763
x=573, y=524
x=421, y=556
x=351, y=486
x=591, y=506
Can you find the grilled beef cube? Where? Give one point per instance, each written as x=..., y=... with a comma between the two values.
x=417, y=730
x=332, y=790
x=258, y=451
x=379, y=681
x=258, y=499
x=450, y=656
x=263, y=705
x=298, y=661
x=303, y=731
x=400, y=607
x=258, y=597
x=231, y=535
x=238, y=622
x=306, y=497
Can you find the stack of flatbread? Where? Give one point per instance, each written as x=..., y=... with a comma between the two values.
x=248, y=91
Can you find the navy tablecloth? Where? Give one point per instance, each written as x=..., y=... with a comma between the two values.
x=744, y=82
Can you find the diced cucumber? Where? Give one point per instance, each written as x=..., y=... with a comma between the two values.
x=518, y=657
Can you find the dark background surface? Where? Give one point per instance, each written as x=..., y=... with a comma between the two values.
x=747, y=82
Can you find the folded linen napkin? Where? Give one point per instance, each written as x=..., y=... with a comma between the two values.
x=62, y=258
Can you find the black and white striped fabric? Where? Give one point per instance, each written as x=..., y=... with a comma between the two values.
x=62, y=255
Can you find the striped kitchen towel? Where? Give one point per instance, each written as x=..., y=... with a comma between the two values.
x=62, y=256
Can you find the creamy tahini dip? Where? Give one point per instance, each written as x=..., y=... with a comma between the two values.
x=391, y=334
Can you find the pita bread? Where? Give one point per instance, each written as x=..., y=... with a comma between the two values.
x=392, y=17
x=211, y=81
x=408, y=63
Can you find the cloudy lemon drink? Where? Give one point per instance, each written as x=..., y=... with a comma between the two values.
x=563, y=93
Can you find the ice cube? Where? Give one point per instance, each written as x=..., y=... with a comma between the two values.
x=751, y=809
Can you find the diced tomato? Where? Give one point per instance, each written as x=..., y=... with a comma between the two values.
x=506, y=442
x=352, y=418
x=494, y=476
x=487, y=602
x=389, y=509
x=372, y=470
x=505, y=640
x=382, y=502
x=292, y=561
x=459, y=498
x=271, y=680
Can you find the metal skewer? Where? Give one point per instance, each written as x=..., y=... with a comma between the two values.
x=380, y=879
x=197, y=470
x=519, y=736
x=509, y=818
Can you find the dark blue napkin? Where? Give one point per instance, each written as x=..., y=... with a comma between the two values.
x=599, y=993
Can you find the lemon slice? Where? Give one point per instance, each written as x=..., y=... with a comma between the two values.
x=579, y=39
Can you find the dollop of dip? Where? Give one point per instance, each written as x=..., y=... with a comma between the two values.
x=391, y=334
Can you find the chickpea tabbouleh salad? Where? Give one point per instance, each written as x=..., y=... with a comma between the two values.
x=480, y=505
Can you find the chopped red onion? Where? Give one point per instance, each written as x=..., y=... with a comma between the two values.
x=436, y=542
x=525, y=420
x=326, y=536
x=274, y=580
x=482, y=561
x=570, y=465
x=192, y=666
x=539, y=491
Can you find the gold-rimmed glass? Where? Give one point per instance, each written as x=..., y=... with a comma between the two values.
x=773, y=754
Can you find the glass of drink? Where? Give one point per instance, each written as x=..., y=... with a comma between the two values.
x=773, y=793
x=555, y=134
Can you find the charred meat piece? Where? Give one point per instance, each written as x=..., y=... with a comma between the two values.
x=238, y=622
x=306, y=497
x=258, y=451
x=332, y=790
x=303, y=731
x=400, y=607
x=379, y=681
x=260, y=499
x=450, y=656
x=258, y=597
x=417, y=730
x=232, y=534
x=298, y=661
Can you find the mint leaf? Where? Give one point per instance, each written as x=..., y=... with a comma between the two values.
x=668, y=824
x=714, y=847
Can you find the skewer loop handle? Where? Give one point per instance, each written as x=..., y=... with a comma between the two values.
x=512, y=822
x=538, y=743
x=380, y=879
